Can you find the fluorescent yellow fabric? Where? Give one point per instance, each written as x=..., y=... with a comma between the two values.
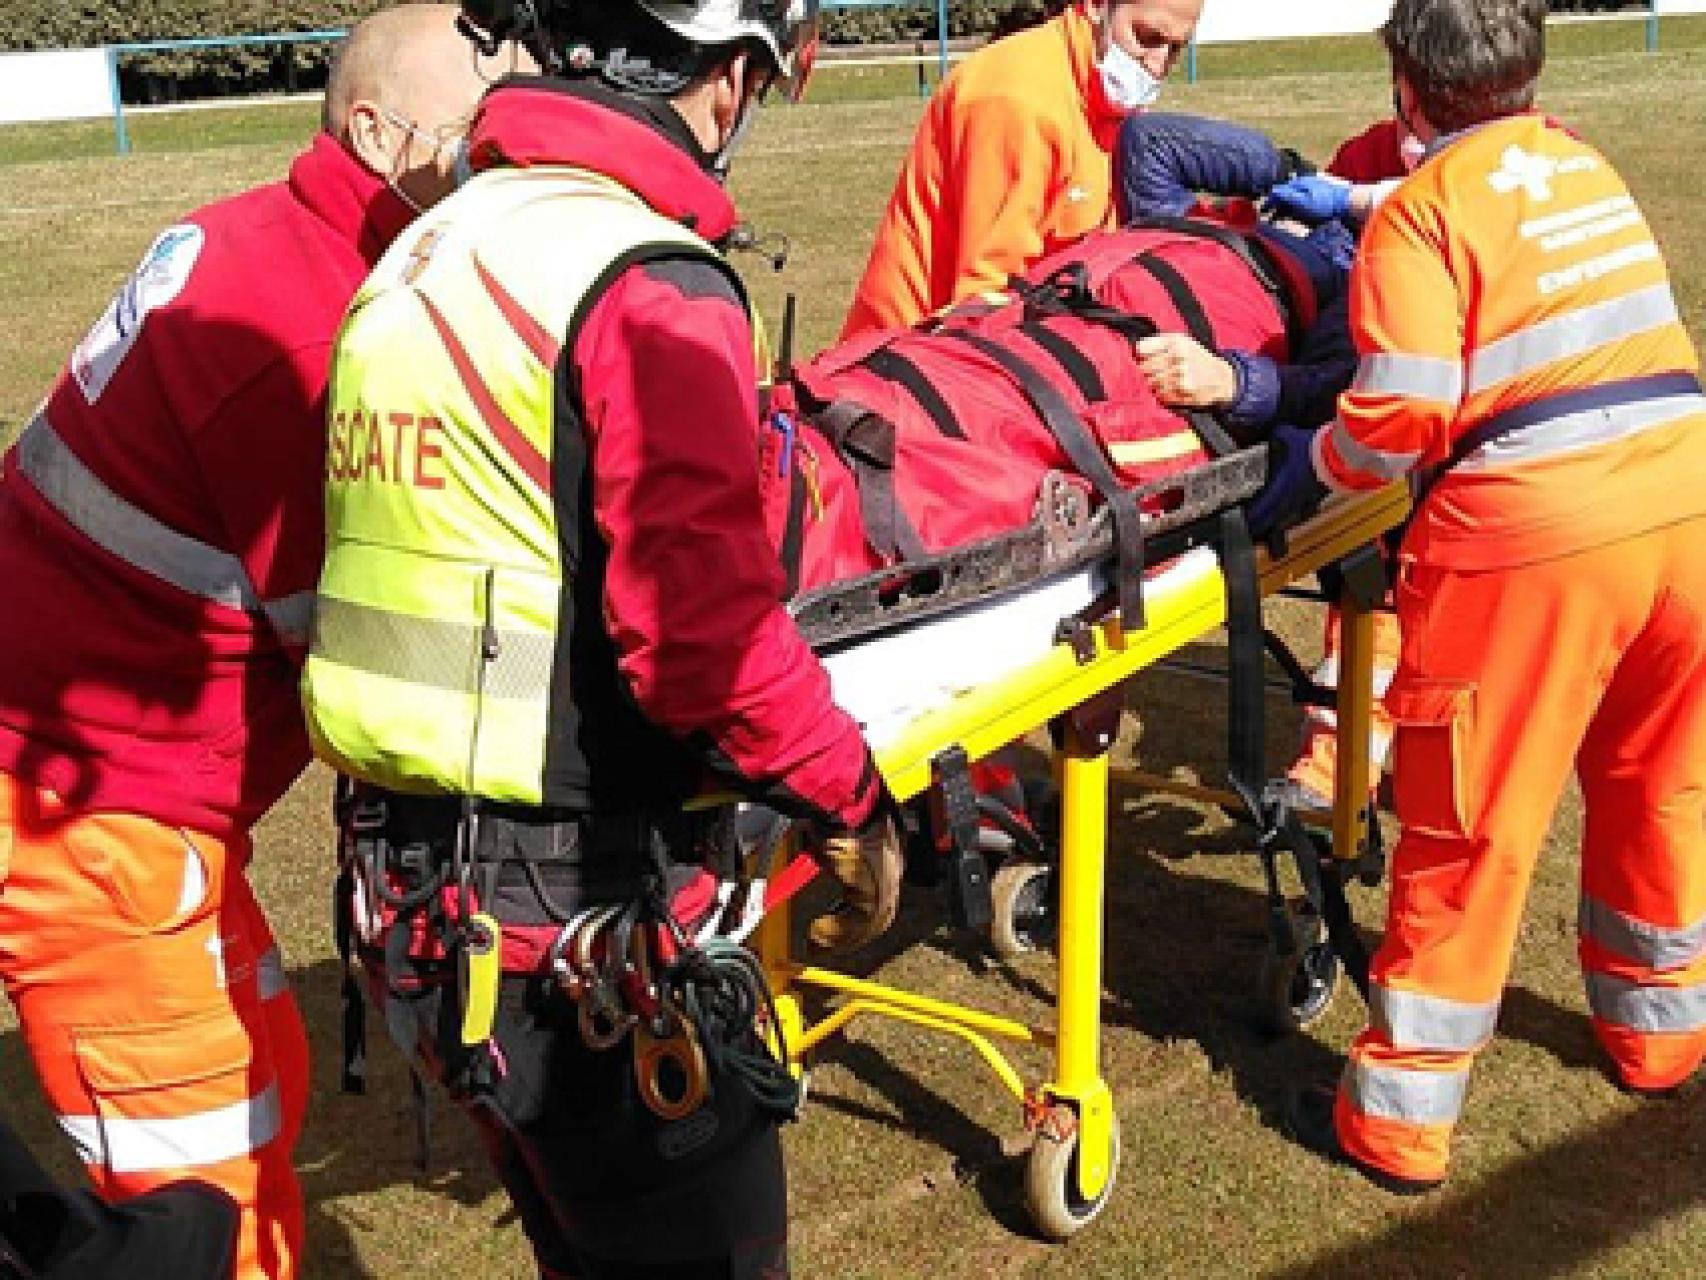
x=434, y=641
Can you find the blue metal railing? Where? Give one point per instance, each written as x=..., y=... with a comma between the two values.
x=116, y=51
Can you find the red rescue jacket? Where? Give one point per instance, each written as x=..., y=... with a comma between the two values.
x=198, y=399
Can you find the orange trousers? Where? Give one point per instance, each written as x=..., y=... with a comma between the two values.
x=154, y=1005
x=1317, y=762
x=1510, y=678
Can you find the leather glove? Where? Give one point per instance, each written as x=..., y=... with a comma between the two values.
x=1313, y=197
x=868, y=865
x=1293, y=489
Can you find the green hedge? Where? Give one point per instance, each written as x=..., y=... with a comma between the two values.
x=58, y=24
x=157, y=77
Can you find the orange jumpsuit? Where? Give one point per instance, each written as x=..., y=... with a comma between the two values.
x=1373, y=155
x=1012, y=161
x=1552, y=600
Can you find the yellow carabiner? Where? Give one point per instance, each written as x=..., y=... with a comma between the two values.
x=482, y=958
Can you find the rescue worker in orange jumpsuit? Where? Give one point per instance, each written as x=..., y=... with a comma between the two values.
x=1364, y=170
x=1523, y=362
x=1013, y=158
x=160, y=537
x=1185, y=374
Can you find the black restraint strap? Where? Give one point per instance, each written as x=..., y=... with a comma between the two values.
x=1067, y=292
x=1182, y=296
x=1255, y=253
x=354, y=1005
x=866, y=443
x=888, y=363
x=1071, y=360
x=793, y=529
x=1246, y=683
x=1184, y=299
x=1089, y=460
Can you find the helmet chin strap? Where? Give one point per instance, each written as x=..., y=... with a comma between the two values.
x=725, y=155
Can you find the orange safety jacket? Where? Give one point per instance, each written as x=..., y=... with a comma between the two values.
x=1012, y=161
x=1512, y=287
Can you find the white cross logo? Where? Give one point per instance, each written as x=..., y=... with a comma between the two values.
x=1519, y=168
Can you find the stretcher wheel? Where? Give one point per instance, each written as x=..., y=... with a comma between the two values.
x=1027, y=916
x=1296, y=990
x=1051, y=1184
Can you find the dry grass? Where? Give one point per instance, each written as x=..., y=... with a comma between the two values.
x=897, y=1167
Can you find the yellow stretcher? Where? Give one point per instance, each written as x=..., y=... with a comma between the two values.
x=1077, y=689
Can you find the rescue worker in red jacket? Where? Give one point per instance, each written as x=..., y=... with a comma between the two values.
x=550, y=612
x=1524, y=363
x=159, y=540
x=1012, y=160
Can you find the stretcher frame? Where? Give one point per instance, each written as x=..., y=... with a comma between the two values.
x=1078, y=688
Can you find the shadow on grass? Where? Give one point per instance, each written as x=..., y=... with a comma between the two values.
x=980, y=1158
x=354, y=1146
x=1550, y=1212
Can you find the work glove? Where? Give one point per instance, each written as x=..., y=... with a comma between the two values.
x=1293, y=489
x=1312, y=197
x=868, y=865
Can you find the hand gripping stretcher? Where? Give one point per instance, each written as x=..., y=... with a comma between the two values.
x=948, y=659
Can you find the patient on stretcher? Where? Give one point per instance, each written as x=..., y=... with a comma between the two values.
x=900, y=444
x=998, y=413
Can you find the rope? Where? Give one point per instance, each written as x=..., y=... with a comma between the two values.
x=720, y=987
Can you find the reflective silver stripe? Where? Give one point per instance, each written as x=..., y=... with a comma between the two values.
x=123, y=1145
x=270, y=980
x=1411, y=1020
x=1414, y=1097
x=1584, y=430
x=1656, y=946
x=430, y=651
x=1418, y=377
x=1370, y=462
x=1570, y=334
x=137, y=538
x=291, y=616
x=1650, y=1009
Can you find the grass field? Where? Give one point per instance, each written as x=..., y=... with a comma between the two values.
x=901, y=1165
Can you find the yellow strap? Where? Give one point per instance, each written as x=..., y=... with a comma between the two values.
x=483, y=958
x=1133, y=453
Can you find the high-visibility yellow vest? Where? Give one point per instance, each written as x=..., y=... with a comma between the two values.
x=434, y=645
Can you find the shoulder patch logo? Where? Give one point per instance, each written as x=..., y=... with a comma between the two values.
x=160, y=277
x=1076, y=195
x=1533, y=173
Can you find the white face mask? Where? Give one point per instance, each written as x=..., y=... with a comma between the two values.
x=436, y=141
x=1411, y=151
x=1126, y=81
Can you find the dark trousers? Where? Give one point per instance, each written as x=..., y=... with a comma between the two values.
x=604, y=1188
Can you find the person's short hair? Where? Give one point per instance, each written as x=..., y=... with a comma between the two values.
x=1468, y=60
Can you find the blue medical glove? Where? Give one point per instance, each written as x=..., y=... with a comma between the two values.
x=1313, y=197
x=1293, y=488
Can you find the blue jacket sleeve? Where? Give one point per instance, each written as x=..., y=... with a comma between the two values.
x=1162, y=161
x=1303, y=392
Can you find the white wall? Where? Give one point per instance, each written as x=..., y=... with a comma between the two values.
x=57, y=84
x=1682, y=6
x=1224, y=20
